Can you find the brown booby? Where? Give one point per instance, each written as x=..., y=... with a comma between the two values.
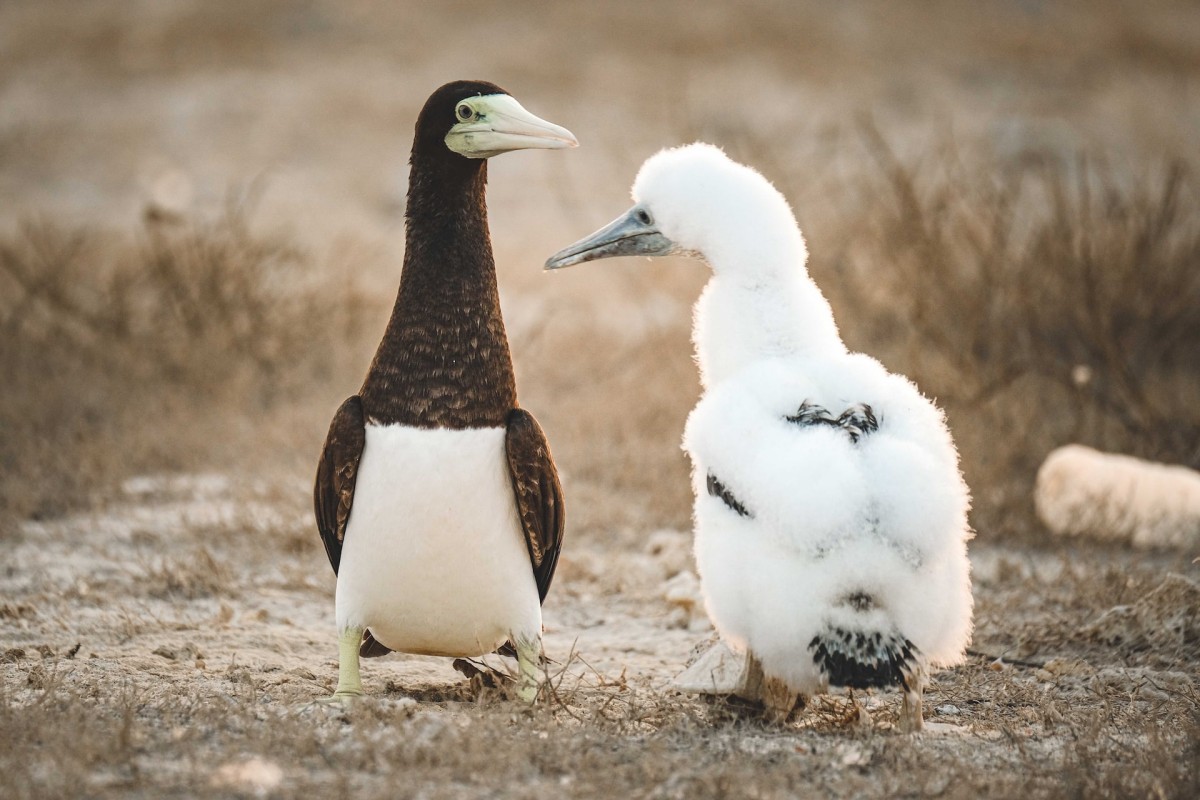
x=436, y=495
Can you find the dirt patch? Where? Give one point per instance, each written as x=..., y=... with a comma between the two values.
x=126, y=673
x=201, y=237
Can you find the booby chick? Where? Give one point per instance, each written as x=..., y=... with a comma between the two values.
x=830, y=512
x=436, y=495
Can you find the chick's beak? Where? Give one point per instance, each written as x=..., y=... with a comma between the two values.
x=631, y=234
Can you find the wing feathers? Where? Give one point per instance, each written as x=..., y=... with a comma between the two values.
x=538, y=494
x=337, y=471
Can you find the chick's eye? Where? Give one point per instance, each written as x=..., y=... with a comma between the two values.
x=464, y=112
x=643, y=216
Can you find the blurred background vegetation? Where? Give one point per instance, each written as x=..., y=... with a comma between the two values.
x=201, y=227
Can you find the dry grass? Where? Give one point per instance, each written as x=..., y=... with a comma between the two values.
x=69, y=742
x=210, y=642
x=155, y=641
x=125, y=351
x=1041, y=302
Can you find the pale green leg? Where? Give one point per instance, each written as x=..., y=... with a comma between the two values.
x=529, y=656
x=349, y=684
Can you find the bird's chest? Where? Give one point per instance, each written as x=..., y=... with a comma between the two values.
x=434, y=558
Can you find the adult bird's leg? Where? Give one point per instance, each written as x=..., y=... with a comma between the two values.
x=529, y=657
x=349, y=683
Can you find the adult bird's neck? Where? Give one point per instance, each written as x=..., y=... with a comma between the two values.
x=444, y=360
x=741, y=320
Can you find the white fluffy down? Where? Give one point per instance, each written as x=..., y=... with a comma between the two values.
x=760, y=298
x=886, y=516
x=1083, y=492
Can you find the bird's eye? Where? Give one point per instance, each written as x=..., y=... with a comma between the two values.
x=464, y=112
x=643, y=216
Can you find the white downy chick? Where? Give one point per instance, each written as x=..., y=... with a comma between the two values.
x=830, y=511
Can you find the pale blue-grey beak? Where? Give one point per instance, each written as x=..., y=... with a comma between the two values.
x=631, y=234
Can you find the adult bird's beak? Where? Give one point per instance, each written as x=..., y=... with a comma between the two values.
x=631, y=234
x=499, y=124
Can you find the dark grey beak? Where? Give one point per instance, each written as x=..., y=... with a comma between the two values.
x=631, y=234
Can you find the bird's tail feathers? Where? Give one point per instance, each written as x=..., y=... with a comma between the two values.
x=864, y=655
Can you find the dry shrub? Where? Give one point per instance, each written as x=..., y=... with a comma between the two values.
x=195, y=304
x=1041, y=302
x=198, y=574
x=615, y=413
x=1154, y=763
x=122, y=353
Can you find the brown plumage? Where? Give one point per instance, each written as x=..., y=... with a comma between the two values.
x=444, y=360
x=336, y=473
x=538, y=494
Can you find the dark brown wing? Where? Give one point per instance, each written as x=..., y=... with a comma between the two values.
x=333, y=493
x=538, y=493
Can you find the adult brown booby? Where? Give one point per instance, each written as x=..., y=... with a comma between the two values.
x=436, y=495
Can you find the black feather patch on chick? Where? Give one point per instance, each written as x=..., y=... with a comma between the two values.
x=864, y=659
x=857, y=421
x=718, y=490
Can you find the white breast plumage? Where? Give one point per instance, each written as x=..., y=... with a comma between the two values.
x=435, y=561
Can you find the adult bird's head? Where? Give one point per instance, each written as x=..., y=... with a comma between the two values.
x=695, y=200
x=477, y=120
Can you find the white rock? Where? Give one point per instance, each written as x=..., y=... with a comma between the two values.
x=718, y=671
x=1083, y=492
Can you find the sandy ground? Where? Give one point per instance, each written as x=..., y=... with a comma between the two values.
x=169, y=641
x=198, y=609
x=248, y=602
